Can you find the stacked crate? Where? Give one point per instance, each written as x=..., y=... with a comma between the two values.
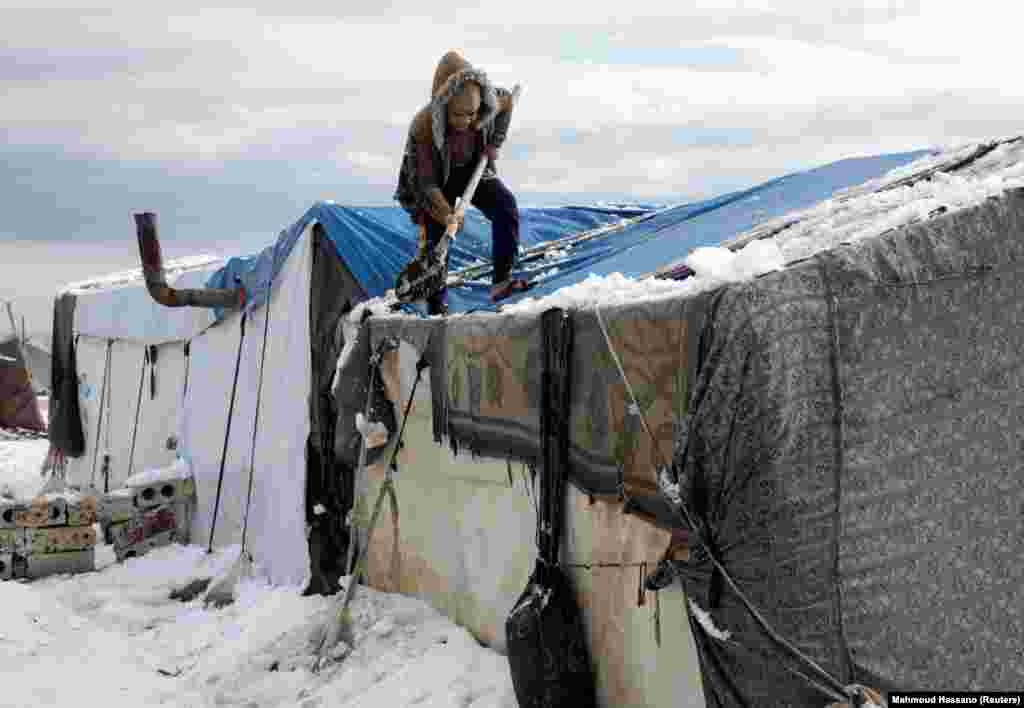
x=50, y=534
x=137, y=519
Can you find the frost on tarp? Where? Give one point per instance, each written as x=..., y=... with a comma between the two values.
x=894, y=200
x=852, y=445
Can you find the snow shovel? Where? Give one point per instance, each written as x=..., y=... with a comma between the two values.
x=427, y=272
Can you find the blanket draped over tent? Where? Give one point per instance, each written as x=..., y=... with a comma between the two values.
x=853, y=446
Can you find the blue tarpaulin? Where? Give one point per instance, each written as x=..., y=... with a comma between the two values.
x=376, y=242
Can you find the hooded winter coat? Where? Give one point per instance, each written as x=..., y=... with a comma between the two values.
x=430, y=127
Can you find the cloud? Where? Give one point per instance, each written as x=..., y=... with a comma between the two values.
x=257, y=111
x=210, y=86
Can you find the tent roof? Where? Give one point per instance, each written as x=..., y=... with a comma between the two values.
x=937, y=184
x=376, y=242
x=118, y=306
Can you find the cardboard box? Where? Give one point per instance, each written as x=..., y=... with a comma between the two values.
x=41, y=512
x=41, y=566
x=166, y=492
x=58, y=540
x=143, y=547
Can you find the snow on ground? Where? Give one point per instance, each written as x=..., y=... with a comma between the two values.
x=21, y=463
x=113, y=638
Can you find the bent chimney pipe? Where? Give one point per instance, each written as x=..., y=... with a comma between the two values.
x=156, y=281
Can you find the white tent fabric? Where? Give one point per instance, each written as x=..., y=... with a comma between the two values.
x=277, y=520
x=122, y=309
x=156, y=414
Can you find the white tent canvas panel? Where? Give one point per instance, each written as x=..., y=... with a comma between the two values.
x=121, y=414
x=277, y=520
x=118, y=311
x=118, y=307
x=195, y=412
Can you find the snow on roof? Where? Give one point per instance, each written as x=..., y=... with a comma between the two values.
x=938, y=184
x=712, y=266
x=897, y=200
x=133, y=277
x=179, y=469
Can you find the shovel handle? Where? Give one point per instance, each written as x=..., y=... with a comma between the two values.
x=474, y=181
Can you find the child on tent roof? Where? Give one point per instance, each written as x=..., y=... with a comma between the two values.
x=467, y=117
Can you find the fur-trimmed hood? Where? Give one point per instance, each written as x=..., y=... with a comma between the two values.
x=452, y=73
x=430, y=126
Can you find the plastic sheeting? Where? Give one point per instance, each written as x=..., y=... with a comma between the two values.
x=277, y=517
x=376, y=242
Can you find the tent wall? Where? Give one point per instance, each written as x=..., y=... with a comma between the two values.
x=847, y=428
x=854, y=447
x=38, y=364
x=122, y=407
x=18, y=406
x=492, y=402
x=335, y=292
x=466, y=545
x=125, y=311
x=277, y=517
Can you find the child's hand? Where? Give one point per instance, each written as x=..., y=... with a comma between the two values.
x=455, y=220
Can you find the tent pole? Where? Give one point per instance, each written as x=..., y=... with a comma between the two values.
x=17, y=340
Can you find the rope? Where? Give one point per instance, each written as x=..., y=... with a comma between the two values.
x=629, y=388
x=135, y=427
x=227, y=434
x=256, y=422
x=591, y=566
x=420, y=366
x=99, y=417
x=829, y=685
x=188, y=362
x=110, y=410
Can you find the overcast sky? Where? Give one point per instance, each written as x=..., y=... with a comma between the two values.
x=230, y=122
